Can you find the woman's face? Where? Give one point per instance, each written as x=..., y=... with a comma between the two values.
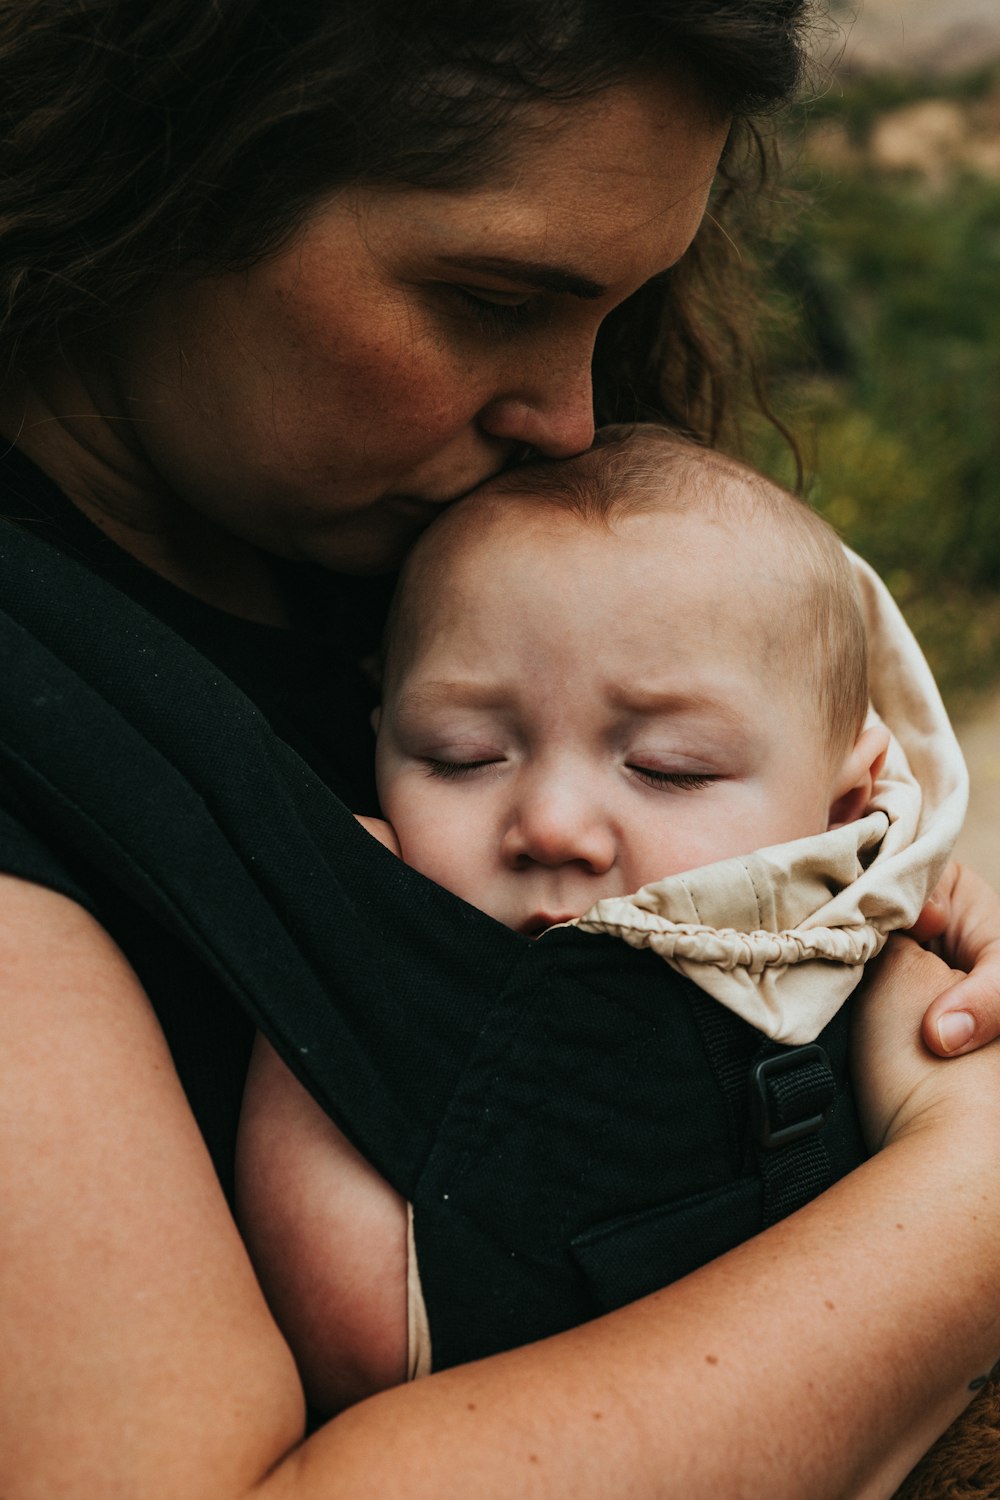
x=407, y=342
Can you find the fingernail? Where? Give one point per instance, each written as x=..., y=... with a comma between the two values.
x=954, y=1029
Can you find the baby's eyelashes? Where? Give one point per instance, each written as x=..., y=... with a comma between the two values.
x=453, y=770
x=685, y=781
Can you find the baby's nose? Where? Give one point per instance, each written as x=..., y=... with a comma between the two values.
x=558, y=826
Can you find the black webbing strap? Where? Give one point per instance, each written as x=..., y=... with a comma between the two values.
x=792, y=1090
x=777, y=1099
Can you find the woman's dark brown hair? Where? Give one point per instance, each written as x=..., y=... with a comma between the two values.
x=144, y=141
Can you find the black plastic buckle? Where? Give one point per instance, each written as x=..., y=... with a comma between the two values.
x=764, y=1105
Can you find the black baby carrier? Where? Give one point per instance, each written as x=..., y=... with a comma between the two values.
x=574, y=1123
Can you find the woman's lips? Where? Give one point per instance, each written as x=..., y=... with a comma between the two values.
x=426, y=507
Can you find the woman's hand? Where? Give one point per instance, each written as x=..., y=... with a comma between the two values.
x=900, y=1085
x=962, y=918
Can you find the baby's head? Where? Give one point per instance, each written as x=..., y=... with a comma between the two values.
x=604, y=671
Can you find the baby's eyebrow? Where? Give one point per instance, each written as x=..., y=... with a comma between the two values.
x=674, y=703
x=451, y=693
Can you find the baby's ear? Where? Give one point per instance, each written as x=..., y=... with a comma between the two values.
x=852, y=789
x=376, y=717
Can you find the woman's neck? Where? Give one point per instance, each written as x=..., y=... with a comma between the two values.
x=67, y=423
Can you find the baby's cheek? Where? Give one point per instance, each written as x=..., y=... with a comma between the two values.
x=692, y=830
x=428, y=828
x=443, y=855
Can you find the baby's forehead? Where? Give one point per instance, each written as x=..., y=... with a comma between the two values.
x=484, y=530
x=764, y=581
x=723, y=573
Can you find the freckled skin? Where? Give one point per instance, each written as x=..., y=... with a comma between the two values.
x=324, y=402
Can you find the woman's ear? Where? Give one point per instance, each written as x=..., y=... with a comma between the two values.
x=852, y=789
x=376, y=718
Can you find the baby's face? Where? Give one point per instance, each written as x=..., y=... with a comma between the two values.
x=579, y=712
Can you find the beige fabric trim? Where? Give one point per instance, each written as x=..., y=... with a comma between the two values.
x=418, y=1332
x=780, y=936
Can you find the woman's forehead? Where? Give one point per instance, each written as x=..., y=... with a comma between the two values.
x=588, y=185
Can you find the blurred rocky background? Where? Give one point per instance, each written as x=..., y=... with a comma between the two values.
x=884, y=336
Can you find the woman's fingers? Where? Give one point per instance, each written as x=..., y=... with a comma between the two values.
x=901, y=1084
x=967, y=1015
x=962, y=919
x=890, y=1063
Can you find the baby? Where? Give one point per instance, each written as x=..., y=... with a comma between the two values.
x=597, y=674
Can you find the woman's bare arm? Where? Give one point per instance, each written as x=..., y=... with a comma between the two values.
x=140, y=1360
x=139, y=1357
x=327, y=1235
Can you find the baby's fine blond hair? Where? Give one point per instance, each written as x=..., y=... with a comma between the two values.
x=645, y=468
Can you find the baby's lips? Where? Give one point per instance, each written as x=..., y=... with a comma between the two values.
x=541, y=921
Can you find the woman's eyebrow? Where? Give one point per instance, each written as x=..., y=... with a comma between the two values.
x=535, y=273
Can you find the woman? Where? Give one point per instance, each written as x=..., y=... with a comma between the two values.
x=298, y=275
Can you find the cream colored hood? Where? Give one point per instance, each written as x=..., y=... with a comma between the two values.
x=780, y=936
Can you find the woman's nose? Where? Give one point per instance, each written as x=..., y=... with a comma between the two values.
x=555, y=828
x=556, y=417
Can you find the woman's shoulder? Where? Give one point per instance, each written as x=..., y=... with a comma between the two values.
x=54, y=901
x=92, y=805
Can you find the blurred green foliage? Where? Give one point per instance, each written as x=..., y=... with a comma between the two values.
x=884, y=356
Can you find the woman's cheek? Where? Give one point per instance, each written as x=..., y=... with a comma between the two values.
x=401, y=364
x=428, y=399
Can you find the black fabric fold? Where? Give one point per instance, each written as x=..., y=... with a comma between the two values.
x=522, y=1095
x=138, y=758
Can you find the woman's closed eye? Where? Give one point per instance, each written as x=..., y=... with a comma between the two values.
x=496, y=311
